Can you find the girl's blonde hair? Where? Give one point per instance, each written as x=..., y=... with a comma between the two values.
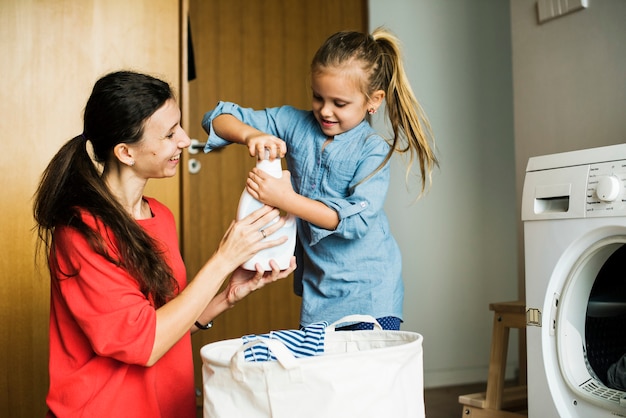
x=379, y=56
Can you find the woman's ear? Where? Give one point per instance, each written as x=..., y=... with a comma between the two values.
x=124, y=154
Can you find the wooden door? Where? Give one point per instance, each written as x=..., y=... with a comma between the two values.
x=52, y=53
x=257, y=54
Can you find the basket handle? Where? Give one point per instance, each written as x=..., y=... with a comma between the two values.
x=284, y=356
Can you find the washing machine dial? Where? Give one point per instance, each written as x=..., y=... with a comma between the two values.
x=608, y=188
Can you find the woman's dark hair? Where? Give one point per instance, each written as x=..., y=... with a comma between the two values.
x=116, y=112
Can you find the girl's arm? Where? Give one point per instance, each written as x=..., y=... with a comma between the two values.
x=273, y=193
x=279, y=193
x=232, y=129
x=311, y=211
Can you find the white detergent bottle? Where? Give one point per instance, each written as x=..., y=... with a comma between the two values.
x=247, y=204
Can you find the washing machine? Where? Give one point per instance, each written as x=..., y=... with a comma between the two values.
x=574, y=218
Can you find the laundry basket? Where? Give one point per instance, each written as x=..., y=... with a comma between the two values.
x=375, y=374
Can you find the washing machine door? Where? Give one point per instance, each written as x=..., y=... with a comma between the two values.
x=589, y=379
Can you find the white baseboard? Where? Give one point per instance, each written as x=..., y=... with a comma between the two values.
x=454, y=377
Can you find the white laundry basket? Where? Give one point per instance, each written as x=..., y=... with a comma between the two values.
x=375, y=374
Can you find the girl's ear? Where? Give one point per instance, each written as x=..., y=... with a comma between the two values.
x=124, y=154
x=376, y=99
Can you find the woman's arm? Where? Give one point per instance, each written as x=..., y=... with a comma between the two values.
x=241, y=241
x=242, y=282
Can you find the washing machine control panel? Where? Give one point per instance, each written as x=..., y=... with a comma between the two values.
x=606, y=189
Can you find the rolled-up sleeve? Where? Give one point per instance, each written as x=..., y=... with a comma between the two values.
x=278, y=121
x=214, y=141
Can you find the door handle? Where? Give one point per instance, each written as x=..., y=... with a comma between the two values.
x=193, y=165
x=196, y=146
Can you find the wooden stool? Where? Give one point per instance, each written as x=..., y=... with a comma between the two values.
x=497, y=401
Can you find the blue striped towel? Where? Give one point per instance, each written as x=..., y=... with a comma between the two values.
x=308, y=341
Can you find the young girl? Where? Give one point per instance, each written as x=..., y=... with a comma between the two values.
x=348, y=262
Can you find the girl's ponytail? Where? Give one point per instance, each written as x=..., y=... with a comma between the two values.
x=411, y=130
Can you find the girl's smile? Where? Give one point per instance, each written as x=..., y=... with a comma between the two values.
x=338, y=103
x=327, y=124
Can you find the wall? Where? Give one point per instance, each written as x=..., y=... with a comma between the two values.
x=498, y=89
x=569, y=78
x=459, y=242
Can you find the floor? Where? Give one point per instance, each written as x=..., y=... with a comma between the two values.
x=444, y=402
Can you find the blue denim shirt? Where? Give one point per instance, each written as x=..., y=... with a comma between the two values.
x=356, y=268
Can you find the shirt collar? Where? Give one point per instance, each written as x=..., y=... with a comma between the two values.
x=361, y=129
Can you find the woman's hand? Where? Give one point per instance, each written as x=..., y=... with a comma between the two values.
x=244, y=238
x=243, y=282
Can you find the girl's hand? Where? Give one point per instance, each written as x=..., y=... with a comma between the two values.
x=243, y=282
x=243, y=239
x=259, y=142
x=268, y=189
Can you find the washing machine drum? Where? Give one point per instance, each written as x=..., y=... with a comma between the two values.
x=591, y=342
x=605, y=327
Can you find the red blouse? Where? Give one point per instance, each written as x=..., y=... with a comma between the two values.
x=102, y=331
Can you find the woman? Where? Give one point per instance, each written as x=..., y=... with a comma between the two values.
x=121, y=311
